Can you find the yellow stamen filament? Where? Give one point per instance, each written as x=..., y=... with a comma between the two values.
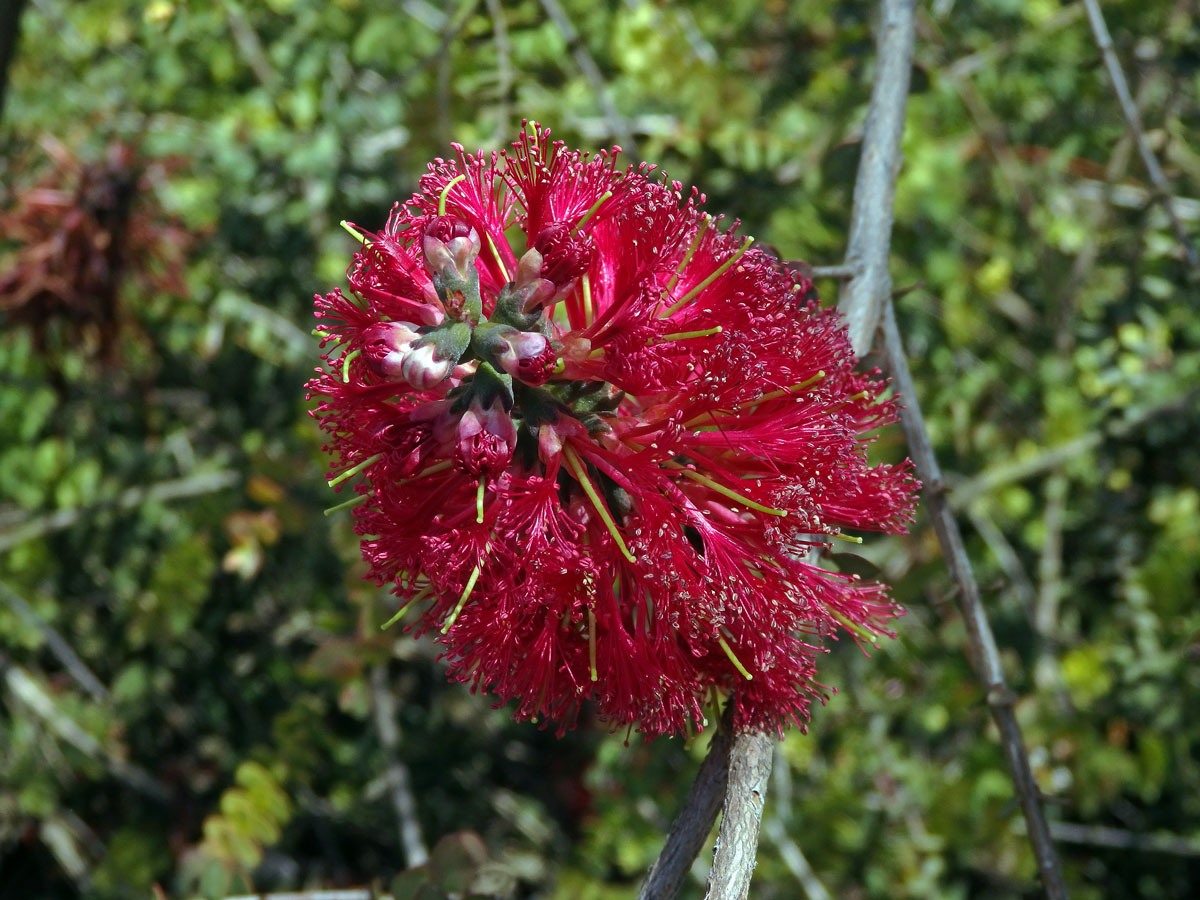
x=858, y=629
x=716, y=273
x=695, y=476
x=355, y=233
x=592, y=644
x=421, y=595
x=432, y=470
x=350, y=357
x=354, y=470
x=353, y=501
x=783, y=392
x=737, y=663
x=847, y=537
x=445, y=191
x=687, y=257
x=462, y=601
x=684, y=335
x=587, y=215
x=576, y=468
x=323, y=335
x=585, y=286
x=496, y=257
x=479, y=501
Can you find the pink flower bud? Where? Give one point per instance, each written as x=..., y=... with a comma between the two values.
x=448, y=241
x=422, y=368
x=486, y=438
x=528, y=355
x=385, y=345
x=564, y=256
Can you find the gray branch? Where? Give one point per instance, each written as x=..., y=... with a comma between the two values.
x=985, y=656
x=1120, y=839
x=617, y=123
x=694, y=822
x=405, y=804
x=750, y=760
x=1134, y=120
x=194, y=485
x=875, y=184
x=57, y=644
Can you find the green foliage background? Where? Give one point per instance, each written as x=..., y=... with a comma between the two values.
x=163, y=515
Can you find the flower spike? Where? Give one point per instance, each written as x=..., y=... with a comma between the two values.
x=613, y=437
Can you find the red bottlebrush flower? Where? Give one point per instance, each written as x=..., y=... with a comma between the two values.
x=643, y=426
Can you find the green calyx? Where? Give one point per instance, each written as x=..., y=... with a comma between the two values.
x=450, y=340
x=459, y=295
x=485, y=387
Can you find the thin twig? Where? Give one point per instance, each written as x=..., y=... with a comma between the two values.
x=985, y=656
x=775, y=827
x=1134, y=120
x=842, y=271
x=1050, y=588
x=10, y=32
x=58, y=645
x=694, y=822
x=795, y=860
x=617, y=123
x=415, y=852
x=962, y=493
x=875, y=184
x=30, y=693
x=1120, y=839
x=504, y=71
x=249, y=44
x=750, y=759
x=996, y=51
x=194, y=485
x=1010, y=561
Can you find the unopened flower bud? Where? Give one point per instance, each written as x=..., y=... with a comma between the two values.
x=447, y=228
x=486, y=438
x=448, y=241
x=565, y=256
x=529, y=289
x=423, y=369
x=385, y=345
x=527, y=355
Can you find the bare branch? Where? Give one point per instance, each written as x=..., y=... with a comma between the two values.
x=58, y=645
x=1120, y=839
x=795, y=860
x=963, y=492
x=985, y=656
x=1134, y=120
x=694, y=822
x=405, y=804
x=842, y=271
x=875, y=184
x=504, y=70
x=194, y=485
x=249, y=45
x=617, y=124
x=775, y=827
x=750, y=759
x=29, y=692
x=10, y=31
